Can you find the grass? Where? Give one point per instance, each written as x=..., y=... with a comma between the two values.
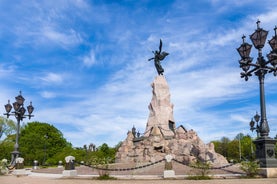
x=199, y=178
x=106, y=177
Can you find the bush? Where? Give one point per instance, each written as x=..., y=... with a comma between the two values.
x=106, y=177
x=251, y=168
x=102, y=164
x=199, y=178
x=3, y=167
x=202, y=167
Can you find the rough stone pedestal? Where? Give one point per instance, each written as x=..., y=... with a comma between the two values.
x=161, y=137
x=70, y=173
x=161, y=110
x=169, y=174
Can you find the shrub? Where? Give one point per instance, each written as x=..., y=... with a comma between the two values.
x=3, y=167
x=202, y=167
x=106, y=177
x=199, y=178
x=102, y=165
x=251, y=168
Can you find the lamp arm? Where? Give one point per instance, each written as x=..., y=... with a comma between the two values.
x=29, y=116
x=254, y=64
x=271, y=69
x=256, y=67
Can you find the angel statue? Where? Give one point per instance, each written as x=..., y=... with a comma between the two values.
x=159, y=56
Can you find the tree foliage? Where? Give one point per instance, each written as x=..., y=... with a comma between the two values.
x=7, y=131
x=102, y=157
x=7, y=127
x=40, y=141
x=6, y=147
x=46, y=144
x=238, y=149
x=251, y=168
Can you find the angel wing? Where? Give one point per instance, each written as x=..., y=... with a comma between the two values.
x=163, y=55
x=161, y=45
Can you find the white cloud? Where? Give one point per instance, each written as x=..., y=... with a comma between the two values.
x=52, y=78
x=6, y=71
x=65, y=38
x=90, y=59
x=48, y=94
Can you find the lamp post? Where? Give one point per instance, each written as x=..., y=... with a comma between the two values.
x=44, y=158
x=253, y=122
x=264, y=144
x=19, y=113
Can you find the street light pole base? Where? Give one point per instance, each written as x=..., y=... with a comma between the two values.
x=15, y=154
x=265, y=152
x=268, y=172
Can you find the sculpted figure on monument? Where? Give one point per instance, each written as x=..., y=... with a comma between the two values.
x=158, y=57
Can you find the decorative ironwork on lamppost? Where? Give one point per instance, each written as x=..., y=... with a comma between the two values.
x=19, y=114
x=264, y=144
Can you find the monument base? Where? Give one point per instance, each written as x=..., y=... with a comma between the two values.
x=19, y=172
x=169, y=174
x=268, y=172
x=70, y=173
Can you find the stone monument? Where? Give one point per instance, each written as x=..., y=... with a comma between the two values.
x=161, y=137
x=160, y=118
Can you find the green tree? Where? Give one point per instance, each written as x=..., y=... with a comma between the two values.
x=104, y=152
x=240, y=148
x=7, y=146
x=239, y=136
x=79, y=154
x=221, y=146
x=7, y=130
x=7, y=127
x=234, y=151
x=246, y=144
x=40, y=141
x=102, y=157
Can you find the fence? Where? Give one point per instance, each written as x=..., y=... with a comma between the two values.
x=154, y=163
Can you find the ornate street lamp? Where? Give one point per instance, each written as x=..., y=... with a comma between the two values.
x=264, y=144
x=253, y=122
x=19, y=113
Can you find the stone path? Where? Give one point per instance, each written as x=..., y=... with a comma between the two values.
x=48, y=180
x=150, y=175
x=151, y=170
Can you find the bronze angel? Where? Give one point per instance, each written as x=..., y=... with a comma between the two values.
x=159, y=56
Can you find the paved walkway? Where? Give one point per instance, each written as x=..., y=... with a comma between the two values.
x=150, y=175
x=49, y=179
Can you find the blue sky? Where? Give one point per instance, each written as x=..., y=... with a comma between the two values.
x=84, y=64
